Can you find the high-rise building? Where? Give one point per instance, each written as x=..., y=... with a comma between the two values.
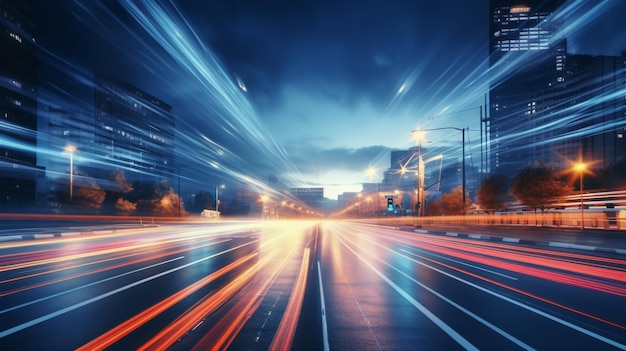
x=525, y=59
x=520, y=26
x=312, y=197
x=592, y=111
x=547, y=105
x=134, y=131
x=18, y=103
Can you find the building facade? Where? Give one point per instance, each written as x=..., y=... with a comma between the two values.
x=311, y=197
x=547, y=105
x=133, y=131
x=525, y=59
x=18, y=104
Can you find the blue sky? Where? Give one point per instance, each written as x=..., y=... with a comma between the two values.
x=314, y=92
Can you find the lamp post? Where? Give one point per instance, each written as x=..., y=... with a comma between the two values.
x=71, y=149
x=418, y=135
x=580, y=168
x=217, y=196
x=462, y=130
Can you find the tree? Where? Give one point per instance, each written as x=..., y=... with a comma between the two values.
x=87, y=193
x=452, y=202
x=122, y=185
x=435, y=208
x=493, y=193
x=169, y=205
x=124, y=207
x=117, y=187
x=155, y=198
x=538, y=186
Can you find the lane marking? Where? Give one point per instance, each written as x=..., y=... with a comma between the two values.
x=524, y=306
x=62, y=311
x=88, y=285
x=493, y=327
x=323, y=304
x=515, y=302
x=462, y=263
x=441, y=324
x=283, y=338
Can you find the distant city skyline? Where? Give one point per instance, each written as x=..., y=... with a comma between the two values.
x=312, y=94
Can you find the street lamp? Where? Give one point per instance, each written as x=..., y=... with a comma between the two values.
x=71, y=149
x=462, y=130
x=580, y=168
x=217, y=196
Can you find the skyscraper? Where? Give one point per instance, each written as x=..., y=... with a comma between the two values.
x=18, y=103
x=547, y=105
x=134, y=131
x=525, y=58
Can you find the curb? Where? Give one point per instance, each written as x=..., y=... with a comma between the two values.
x=520, y=241
x=36, y=236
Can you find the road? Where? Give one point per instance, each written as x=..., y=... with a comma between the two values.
x=279, y=285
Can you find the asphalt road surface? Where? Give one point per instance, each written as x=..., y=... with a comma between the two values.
x=281, y=285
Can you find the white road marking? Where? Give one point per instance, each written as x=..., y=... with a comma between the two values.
x=524, y=306
x=466, y=311
x=465, y=264
x=49, y=316
x=324, y=324
x=441, y=324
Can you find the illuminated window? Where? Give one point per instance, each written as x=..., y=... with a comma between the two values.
x=520, y=9
x=16, y=37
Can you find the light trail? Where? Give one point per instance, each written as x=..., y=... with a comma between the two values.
x=60, y=257
x=480, y=256
x=99, y=270
x=224, y=332
x=520, y=291
x=283, y=339
x=458, y=338
x=190, y=318
x=558, y=278
x=598, y=267
x=481, y=320
x=506, y=298
x=173, y=33
x=111, y=293
x=114, y=335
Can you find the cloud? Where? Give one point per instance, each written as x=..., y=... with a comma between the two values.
x=318, y=160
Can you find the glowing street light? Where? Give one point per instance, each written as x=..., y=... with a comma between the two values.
x=217, y=196
x=71, y=149
x=580, y=168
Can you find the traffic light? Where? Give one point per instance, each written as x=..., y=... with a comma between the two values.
x=390, y=204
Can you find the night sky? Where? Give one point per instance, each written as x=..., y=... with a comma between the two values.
x=312, y=92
